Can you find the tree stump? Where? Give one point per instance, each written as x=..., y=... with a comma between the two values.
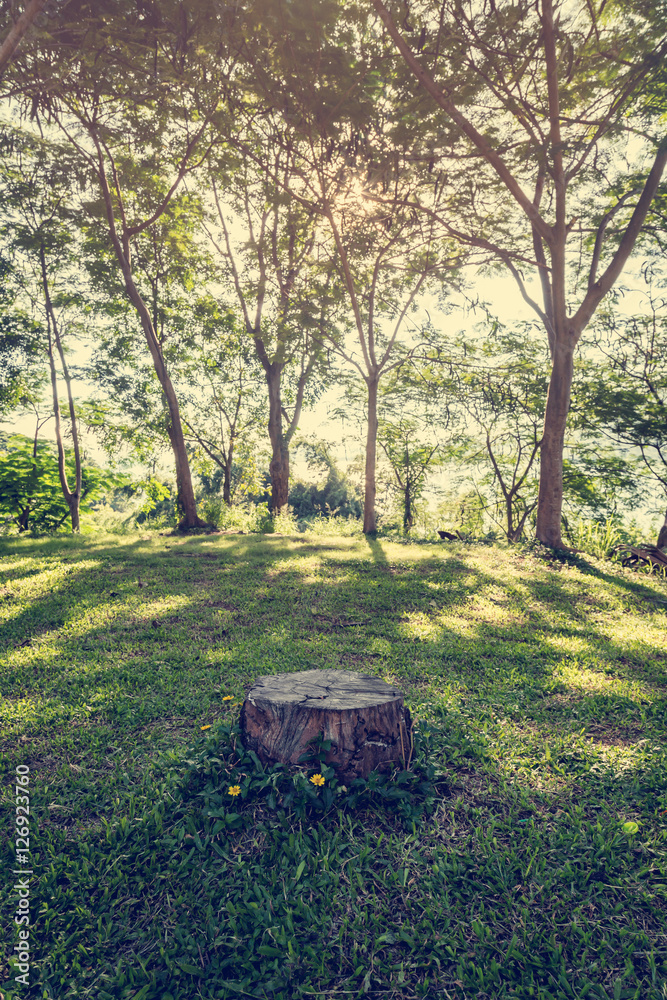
x=363, y=716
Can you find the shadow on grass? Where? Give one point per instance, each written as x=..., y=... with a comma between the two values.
x=520, y=876
x=154, y=627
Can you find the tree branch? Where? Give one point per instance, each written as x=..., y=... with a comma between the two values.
x=18, y=30
x=633, y=228
x=478, y=140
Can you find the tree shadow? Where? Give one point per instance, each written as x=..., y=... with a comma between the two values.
x=215, y=612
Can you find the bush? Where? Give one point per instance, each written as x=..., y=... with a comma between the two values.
x=31, y=497
x=327, y=525
x=158, y=509
x=283, y=522
x=246, y=517
x=600, y=539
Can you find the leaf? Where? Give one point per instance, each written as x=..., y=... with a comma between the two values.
x=265, y=949
x=186, y=967
x=299, y=871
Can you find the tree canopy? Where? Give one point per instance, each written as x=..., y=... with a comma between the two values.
x=269, y=191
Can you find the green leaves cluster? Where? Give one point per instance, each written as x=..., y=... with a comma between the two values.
x=222, y=763
x=30, y=491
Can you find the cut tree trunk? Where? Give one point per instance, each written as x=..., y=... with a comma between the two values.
x=363, y=717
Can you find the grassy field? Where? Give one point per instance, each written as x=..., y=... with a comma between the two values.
x=538, y=867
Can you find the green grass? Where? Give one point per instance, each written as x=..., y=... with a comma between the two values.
x=545, y=684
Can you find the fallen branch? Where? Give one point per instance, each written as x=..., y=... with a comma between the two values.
x=646, y=555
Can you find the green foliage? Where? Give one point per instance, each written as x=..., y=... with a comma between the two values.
x=282, y=522
x=410, y=461
x=221, y=763
x=625, y=398
x=463, y=510
x=242, y=517
x=600, y=540
x=324, y=525
x=30, y=492
x=21, y=348
x=600, y=483
x=331, y=496
x=21, y=352
x=493, y=388
x=158, y=503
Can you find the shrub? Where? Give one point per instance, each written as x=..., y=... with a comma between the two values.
x=600, y=539
x=331, y=525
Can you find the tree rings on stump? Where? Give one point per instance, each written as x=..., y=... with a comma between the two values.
x=363, y=717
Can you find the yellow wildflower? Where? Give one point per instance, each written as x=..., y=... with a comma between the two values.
x=228, y=697
x=317, y=779
x=234, y=789
x=204, y=727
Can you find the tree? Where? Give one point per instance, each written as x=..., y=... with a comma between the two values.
x=332, y=90
x=501, y=387
x=383, y=264
x=628, y=403
x=18, y=29
x=138, y=133
x=30, y=489
x=21, y=377
x=491, y=388
x=35, y=186
x=544, y=98
x=409, y=460
x=264, y=238
x=222, y=386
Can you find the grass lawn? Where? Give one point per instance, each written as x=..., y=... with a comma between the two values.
x=539, y=871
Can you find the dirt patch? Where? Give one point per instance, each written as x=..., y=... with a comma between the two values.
x=615, y=736
x=556, y=701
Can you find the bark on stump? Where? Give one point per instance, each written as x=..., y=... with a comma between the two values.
x=363, y=716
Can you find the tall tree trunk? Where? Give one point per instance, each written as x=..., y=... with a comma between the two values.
x=662, y=537
x=370, y=522
x=185, y=495
x=550, y=496
x=279, y=468
x=228, y=456
x=510, y=519
x=186, y=503
x=227, y=481
x=408, y=516
x=72, y=497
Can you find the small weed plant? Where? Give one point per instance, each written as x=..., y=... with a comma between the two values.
x=600, y=540
x=230, y=785
x=332, y=526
